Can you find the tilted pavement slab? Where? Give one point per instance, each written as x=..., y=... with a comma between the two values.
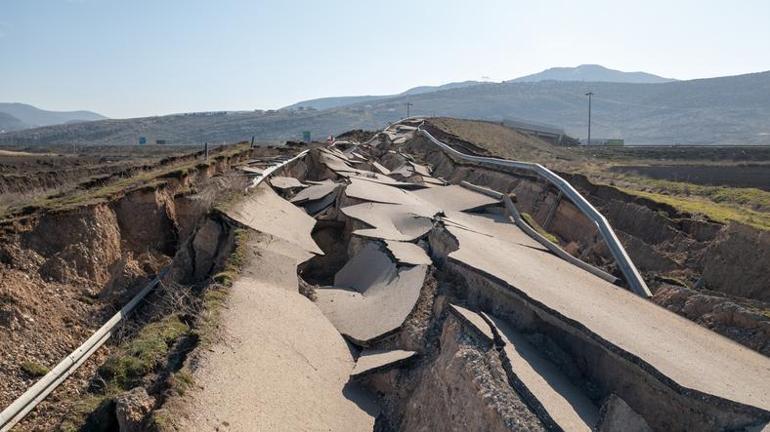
x=270, y=372
x=558, y=399
x=493, y=225
x=408, y=253
x=264, y=211
x=282, y=182
x=391, y=221
x=455, y=198
x=372, y=297
x=691, y=356
x=377, y=360
x=475, y=320
x=378, y=192
x=314, y=192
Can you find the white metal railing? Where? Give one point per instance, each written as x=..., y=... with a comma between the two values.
x=630, y=272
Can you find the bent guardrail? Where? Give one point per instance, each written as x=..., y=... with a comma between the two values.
x=630, y=272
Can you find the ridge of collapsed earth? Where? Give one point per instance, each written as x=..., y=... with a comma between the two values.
x=426, y=308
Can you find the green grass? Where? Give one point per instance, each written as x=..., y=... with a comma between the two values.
x=182, y=381
x=34, y=369
x=215, y=296
x=143, y=354
x=79, y=411
x=718, y=212
x=235, y=261
x=747, y=197
x=536, y=226
x=162, y=421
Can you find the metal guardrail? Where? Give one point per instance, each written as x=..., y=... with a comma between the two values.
x=35, y=394
x=19, y=408
x=524, y=226
x=630, y=272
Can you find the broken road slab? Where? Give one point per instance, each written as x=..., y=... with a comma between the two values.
x=268, y=363
x=391, y=221
x=314, y=192
x=555, y=397
x=372, y=296
x=264, y=211
x=377, y=360
x=283, y=183
x=408, y=253
x=382, y=193
x=455, y=198
x=678, y=349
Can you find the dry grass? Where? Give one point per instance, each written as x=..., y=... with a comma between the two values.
x=104, y=193
x=502, y=141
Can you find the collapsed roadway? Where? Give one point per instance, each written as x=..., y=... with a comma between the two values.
x=426, y=307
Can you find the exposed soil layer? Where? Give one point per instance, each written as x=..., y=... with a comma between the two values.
x=30, y=175
x=64, y=271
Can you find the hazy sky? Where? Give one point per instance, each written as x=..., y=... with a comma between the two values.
x=126, y=58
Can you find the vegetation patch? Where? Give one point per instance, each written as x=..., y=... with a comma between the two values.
x=143, y=354
x=714, y=211
x=215, y=296
x=34, y=369
x=536, y=226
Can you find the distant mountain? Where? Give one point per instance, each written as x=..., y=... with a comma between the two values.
x=719, y=111
x=593, y=73
x=340, y=101
x=10, y=123
x=586, y=72
x=31, y=116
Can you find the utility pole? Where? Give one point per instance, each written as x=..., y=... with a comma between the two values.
x=589, y=94
x=408, y=105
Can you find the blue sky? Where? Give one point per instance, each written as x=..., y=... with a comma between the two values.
x=127, y=58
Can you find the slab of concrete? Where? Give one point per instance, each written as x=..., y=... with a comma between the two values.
x=408, y=253
x=269, y=372
x=368, y=190
x=493, y=225
x=671, y=346
x=553, y=397
x=475, y=320
x=283, y=183
x=377, y=360
x=455, y=198
x=432, y=181
x=380, y=168
x=406, y=170
x=264, y=211
x=422, y=170
x=252, y=170
x=314, y=192
x=316, y=206
x=391, y=221
x=379, y=178
x=371, y=296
